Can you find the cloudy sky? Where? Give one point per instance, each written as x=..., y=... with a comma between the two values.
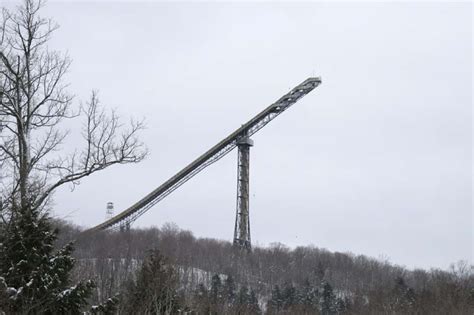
x=375, y=161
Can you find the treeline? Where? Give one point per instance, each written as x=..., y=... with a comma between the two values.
x=272, y=280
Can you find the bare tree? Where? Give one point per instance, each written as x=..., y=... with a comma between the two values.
x=34, y=101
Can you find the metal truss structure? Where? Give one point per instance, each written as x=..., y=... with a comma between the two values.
x=242, y=217
x=239, y=138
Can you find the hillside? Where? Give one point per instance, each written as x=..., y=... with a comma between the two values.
x=284, y=280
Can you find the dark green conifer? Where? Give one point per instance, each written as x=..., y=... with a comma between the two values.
x=229, y=289
x=34, y=276
x=276, y=301
x=155, y=289
x=253, y=306
x=216, y=289
x=289, y=296
x=328, y=300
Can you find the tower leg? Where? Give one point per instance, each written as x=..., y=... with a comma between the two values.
x=125, y=226
x=242, y=222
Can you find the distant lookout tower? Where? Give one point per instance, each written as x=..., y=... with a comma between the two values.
x=109, y=212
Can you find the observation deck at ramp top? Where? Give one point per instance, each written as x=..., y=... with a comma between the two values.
x=215, y=153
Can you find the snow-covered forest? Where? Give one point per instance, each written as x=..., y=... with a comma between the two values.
x=209, y=276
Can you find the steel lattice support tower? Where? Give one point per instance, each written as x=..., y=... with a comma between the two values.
x=239, y=138
x=242, y=222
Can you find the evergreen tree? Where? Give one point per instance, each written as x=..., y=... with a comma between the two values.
x=289, y=296
x=253, y=306
x=229, y=289
x=216, y=289
x=34, y=101
x=215, y=295
x=35, y=278
x=243, y=296
x=155, y=290
x=328, y=300
x=403, y=297
x=246, y=302
x=308, y=295
x=276, y=301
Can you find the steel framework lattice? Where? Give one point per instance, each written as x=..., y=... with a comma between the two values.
x=242, y=218
x=129, y=215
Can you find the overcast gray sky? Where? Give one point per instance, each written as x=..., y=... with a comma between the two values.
x=375, y=161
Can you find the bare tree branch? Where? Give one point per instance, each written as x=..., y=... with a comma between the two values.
x=34, y=101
